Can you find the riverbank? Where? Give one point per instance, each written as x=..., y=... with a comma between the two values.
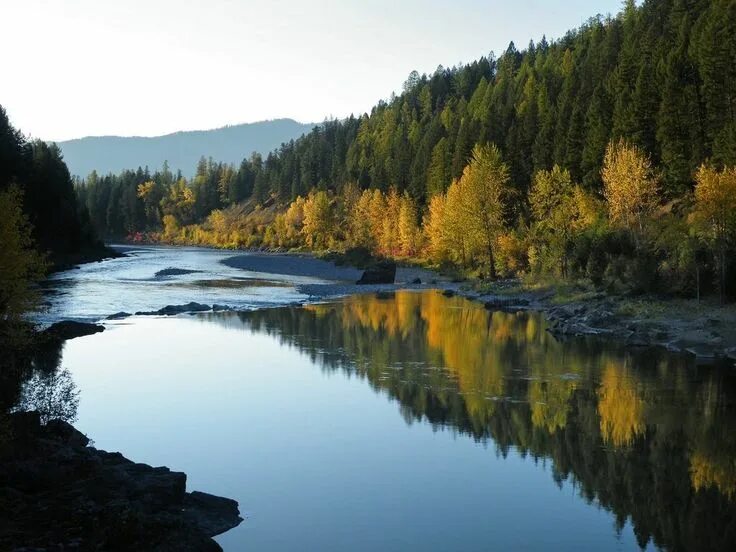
x=705, y=330
x=59, y=493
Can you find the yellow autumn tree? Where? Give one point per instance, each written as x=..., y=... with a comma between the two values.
x=286, y=230
x=377, y=213
x=318, y=220
x=560, y=209
x=453, y=225
x=714, y=213
x=433, y=228
x=485, y=188
x=20, y=264
x=389, y=243
x=407, y=225
x=630, y=186
x=359, y=227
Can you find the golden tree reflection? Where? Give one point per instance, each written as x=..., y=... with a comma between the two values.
x=620, y=407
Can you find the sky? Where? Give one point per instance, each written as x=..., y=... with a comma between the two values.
x=73, y=68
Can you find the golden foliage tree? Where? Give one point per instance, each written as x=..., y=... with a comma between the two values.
x=630, y=185
x=560, y=209
x=359, y=224
x=407, y=226
x=453, y=225
x=434, y=228
x=318, y=220
x=485, y=188
x=714, y=214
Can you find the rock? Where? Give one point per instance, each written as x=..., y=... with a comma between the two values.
x=171, y=271
x=214, y=514
x=189, y=307
x=118, y=316
x=449, y=293
x=380, y=273
x=69, y=329
x=220, y=308
x=416, y=281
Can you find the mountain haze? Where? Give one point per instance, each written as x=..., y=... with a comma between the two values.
x=230, y=144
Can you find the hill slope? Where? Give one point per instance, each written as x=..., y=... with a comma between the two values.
x=182, y=150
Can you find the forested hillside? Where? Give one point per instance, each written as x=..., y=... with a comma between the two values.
x=603, y=154
x=106, y=154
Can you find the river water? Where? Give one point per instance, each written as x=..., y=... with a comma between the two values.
x=408, y=421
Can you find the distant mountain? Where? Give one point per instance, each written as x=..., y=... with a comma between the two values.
x=181, y=149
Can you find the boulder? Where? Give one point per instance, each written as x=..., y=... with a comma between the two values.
x=118, y=316
x=380, y=273
x=189, y=307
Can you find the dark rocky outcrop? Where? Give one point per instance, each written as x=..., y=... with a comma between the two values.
x=383, y=272
x=58, y=493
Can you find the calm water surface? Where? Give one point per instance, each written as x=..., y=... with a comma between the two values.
x=417, y=422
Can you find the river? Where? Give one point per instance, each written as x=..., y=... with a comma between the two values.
x=402, y=421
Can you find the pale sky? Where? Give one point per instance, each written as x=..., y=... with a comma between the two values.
x=73, y=68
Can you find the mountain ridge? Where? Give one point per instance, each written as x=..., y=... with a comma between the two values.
x=181, y=149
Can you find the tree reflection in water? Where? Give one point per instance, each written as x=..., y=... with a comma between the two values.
x=648, y=435
x=53, y=394
x=32, y=380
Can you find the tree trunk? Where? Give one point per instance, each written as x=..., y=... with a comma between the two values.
x=492, y=263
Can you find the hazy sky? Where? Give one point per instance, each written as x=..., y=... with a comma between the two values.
x=73, y=68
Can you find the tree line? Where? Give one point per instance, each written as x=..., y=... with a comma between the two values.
x=42, y=224
x=655, y=82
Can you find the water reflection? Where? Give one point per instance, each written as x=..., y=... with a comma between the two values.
x=647, y=435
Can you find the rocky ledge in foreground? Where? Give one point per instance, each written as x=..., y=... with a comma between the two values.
x=58, y=493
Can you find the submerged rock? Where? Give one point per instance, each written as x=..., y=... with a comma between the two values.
x=57, y=493
x=171, y=271
x=380, y=273
x=170, y=310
